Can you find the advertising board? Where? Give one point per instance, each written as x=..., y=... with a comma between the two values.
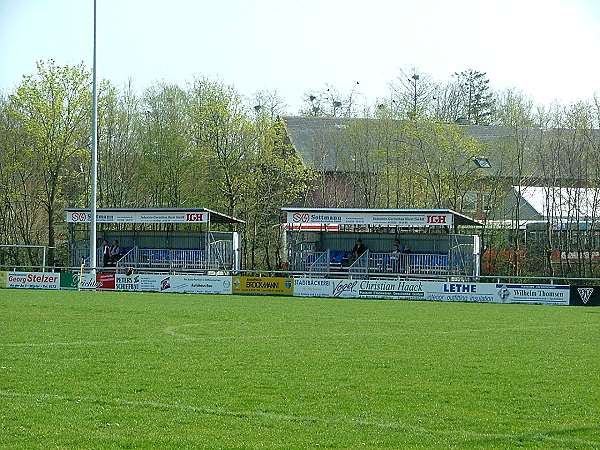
x=3, y=279
x=69, y=280
x=33, y=280
x=384, y=289
x=189, y=284
x=102, y=281
x=315, y=287
x=197, y=284
x=131, y=282
x=106, y=280
x=182, y=216
x=371, y=218
x=432, y=290
x=543, y=294
x=263, y=285
x=585, y=296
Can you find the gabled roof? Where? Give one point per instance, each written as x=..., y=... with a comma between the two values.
x=322, y=143
x=318, y=141
x=572, y=204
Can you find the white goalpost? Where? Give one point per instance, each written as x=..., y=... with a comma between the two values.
x=23, y=255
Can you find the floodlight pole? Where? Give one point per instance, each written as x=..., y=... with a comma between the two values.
x=94, y=174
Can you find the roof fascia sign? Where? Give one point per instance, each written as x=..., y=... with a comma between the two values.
x=370, y=218
x=140, y=217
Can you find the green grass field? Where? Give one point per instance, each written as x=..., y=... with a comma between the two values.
x=132, y=370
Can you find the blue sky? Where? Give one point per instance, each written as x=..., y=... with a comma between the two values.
x=548, y=49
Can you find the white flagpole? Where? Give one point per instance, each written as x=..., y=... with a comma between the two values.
x=94, y=174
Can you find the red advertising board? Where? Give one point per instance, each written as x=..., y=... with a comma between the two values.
x=105, y=280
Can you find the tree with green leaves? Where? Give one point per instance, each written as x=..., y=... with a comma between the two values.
x=53, y=108
x=223, y=137
x=276, y=178
x=21, y=212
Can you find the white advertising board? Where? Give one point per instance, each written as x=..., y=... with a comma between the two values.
x=87, y=281
x=322, y=287
x=140, y=217
x=33, y=280
x=357, y=218
x=546, y=294
x=315, y=287
x=196, y=284
x=433, y=290
x=190, y=284
x=135, y=282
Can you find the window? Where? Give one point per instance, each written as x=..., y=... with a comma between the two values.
x=482, y=162
x=470, y=201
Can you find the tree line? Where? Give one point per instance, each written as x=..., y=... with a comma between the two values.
x=407, y=157
x=204, y=144
x=171, y=146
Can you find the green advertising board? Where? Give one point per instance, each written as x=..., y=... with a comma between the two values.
x=69, y=280
x=3, y=278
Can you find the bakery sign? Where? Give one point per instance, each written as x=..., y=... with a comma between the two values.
x=140, y=217
x=400, y=219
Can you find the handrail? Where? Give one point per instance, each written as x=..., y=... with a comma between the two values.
x=361, y=265
x=125, y=260
x=322, y=262
x=223, y=249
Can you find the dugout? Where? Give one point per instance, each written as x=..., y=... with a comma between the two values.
x=431, y=241
x=158, y=238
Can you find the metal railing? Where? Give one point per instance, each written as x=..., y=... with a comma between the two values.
x=128, y=259
x=80, y=253
x=167, y=259
x=221, y=254
x=424, y=264
x=221, y=258
x=408, y=263
x=461, y=255
x=379, y=263
x=303, y=261
x=321, y=264
x=360, y=267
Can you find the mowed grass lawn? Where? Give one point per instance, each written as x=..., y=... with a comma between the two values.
x=132, y=370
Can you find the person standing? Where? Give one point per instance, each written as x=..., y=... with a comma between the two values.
x=115, y=252
x=105, y=253
x=395, y=256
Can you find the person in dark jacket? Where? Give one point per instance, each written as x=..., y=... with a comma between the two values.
x=358, y=249
x=105, y=253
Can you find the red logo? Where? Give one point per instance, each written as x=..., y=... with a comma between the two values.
x=436, y=219
x=300, y=217
x=194, y=217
